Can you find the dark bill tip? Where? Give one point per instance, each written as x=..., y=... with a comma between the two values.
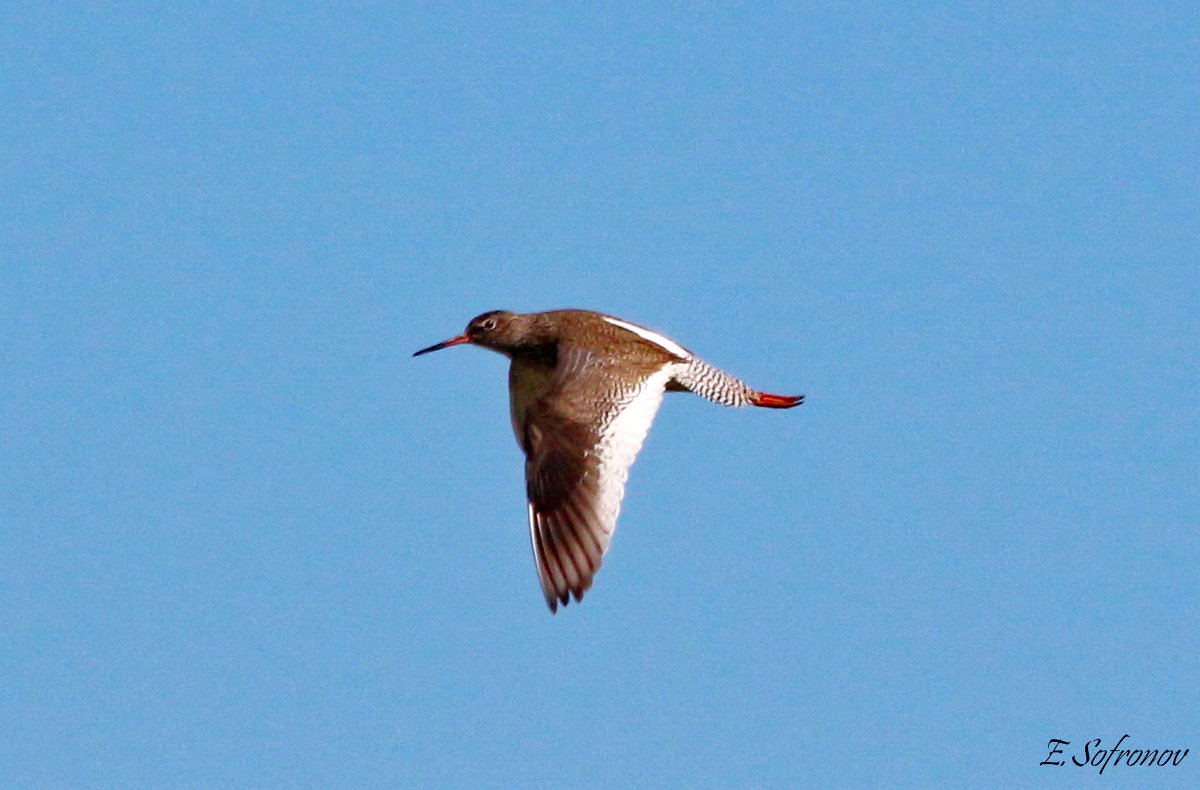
x=454, y=341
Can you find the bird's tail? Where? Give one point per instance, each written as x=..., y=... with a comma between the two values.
x=696, y=375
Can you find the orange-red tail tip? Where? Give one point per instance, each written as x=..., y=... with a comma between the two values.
x=770, y=401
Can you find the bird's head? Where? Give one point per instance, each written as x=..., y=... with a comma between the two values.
x=498, y=330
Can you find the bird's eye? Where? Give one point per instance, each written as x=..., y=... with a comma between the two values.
x=488, y=324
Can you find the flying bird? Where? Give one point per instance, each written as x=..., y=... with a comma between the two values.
x=583, y=390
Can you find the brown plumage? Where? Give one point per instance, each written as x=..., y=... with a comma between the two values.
x=584, y=388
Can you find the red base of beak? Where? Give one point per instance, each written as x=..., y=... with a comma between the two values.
x=454, y=341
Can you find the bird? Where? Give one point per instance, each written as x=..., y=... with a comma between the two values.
x=583, y=390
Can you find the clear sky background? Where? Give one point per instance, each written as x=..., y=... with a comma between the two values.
x=247, y=541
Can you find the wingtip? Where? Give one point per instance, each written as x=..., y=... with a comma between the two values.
x=554, y=601
x=769, y=401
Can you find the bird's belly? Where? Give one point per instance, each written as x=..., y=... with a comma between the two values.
x=526, y=383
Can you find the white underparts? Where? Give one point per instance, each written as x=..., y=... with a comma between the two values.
x=620, y=440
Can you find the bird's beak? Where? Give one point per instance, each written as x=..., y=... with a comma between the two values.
x=454, y=341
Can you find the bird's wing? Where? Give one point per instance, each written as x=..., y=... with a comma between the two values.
x=576, y=466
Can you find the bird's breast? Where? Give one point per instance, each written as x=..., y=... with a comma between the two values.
x=527, y=382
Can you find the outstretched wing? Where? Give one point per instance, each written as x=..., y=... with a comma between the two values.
x=576, y=465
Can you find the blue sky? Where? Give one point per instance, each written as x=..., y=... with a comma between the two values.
x=248, y=541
